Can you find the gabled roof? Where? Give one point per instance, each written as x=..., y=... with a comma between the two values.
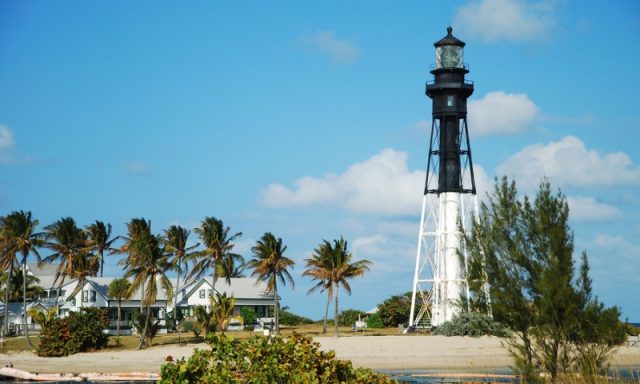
x=240, y=288
x=43, y=270
x=16, y=307
x=45, y=273
x=101, y=285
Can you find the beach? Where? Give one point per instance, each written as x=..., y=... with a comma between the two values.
x=375, y=352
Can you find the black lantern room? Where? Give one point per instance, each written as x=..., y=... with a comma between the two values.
x=449, y=146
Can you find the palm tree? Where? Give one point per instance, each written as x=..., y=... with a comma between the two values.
x=148, y=267
x=68, y=243
x=342, y=270
x=319, y=268
x=204, y=319
x=20, y=238
x=175, y=243
x=217, y=255
x=119, y=290
x=137, y=229
x=269, y=265
x=222, y=309
x=15, y=283
x=7, y=262
x=99, y=240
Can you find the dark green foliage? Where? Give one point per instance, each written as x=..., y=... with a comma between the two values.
x=54, y=338
x=288, y=318
x=374, y=321
x=472, y=324
x=395, y=310
x=248, y=316
x=190, y=326
x=138, y=325
x=78, y=332
x=524, y=250
x=265, y=360
x=348, y=317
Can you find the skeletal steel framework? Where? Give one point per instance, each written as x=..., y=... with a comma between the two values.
x=449, y=204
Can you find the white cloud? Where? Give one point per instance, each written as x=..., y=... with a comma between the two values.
x=510, y=20
x=135, y=167
x=382, y=184
x=501, y=113
x=588, y=209
x=384, y=251
x=339, y=50
x=8, y=151
x=7, y=138
x=569, y=163
x=611, y=257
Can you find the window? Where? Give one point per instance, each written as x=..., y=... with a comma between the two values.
x=85, y=296
x=201, y=293
x=73, y=301
x=209, y=293
x=92, y=296
x=451, y=101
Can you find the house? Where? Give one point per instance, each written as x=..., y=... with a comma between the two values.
x=94, y=293
x=16, y=316
x=248, y=293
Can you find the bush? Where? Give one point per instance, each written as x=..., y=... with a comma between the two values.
x=138, y=322
x=395, y=310
x=348, y=317
x=374, y=321
x=264, y=360
x=248, y=316
x=472, y=324
x=191, y=326
x=288, y=318
x=79, y=332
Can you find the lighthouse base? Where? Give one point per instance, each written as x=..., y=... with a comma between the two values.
x=439, y=284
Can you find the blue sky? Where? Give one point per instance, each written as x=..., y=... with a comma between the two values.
x=309, y=119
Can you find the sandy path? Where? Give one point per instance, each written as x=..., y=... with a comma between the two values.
x=376, y=352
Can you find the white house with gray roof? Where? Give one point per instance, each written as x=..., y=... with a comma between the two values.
x=248, y=292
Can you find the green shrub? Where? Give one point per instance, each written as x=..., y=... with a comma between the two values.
x=191, y=326
x=79, y=332
x=395, y=310
x=472, y=324
x=288, y=318
x=248, y=316
x=264, y=360
x=374, y=321
x=348, y=317
x=138, y=323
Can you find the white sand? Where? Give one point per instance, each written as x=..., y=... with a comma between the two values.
x=376, y=352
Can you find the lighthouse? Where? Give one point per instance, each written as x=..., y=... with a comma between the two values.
x=449, y=202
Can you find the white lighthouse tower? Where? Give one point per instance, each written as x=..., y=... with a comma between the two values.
x=449, y=202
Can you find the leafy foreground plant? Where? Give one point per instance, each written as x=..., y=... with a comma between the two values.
x=78, y=332
x=264, y=360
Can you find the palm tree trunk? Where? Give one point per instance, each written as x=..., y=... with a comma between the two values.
x=326, y=313
x=24, y=299
x=118, y=322
x=143, y=337
x=336, y=313
x=175, y=303
x=6, y=300
x=275, y=306
x=101, y=261
x=142, y=298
